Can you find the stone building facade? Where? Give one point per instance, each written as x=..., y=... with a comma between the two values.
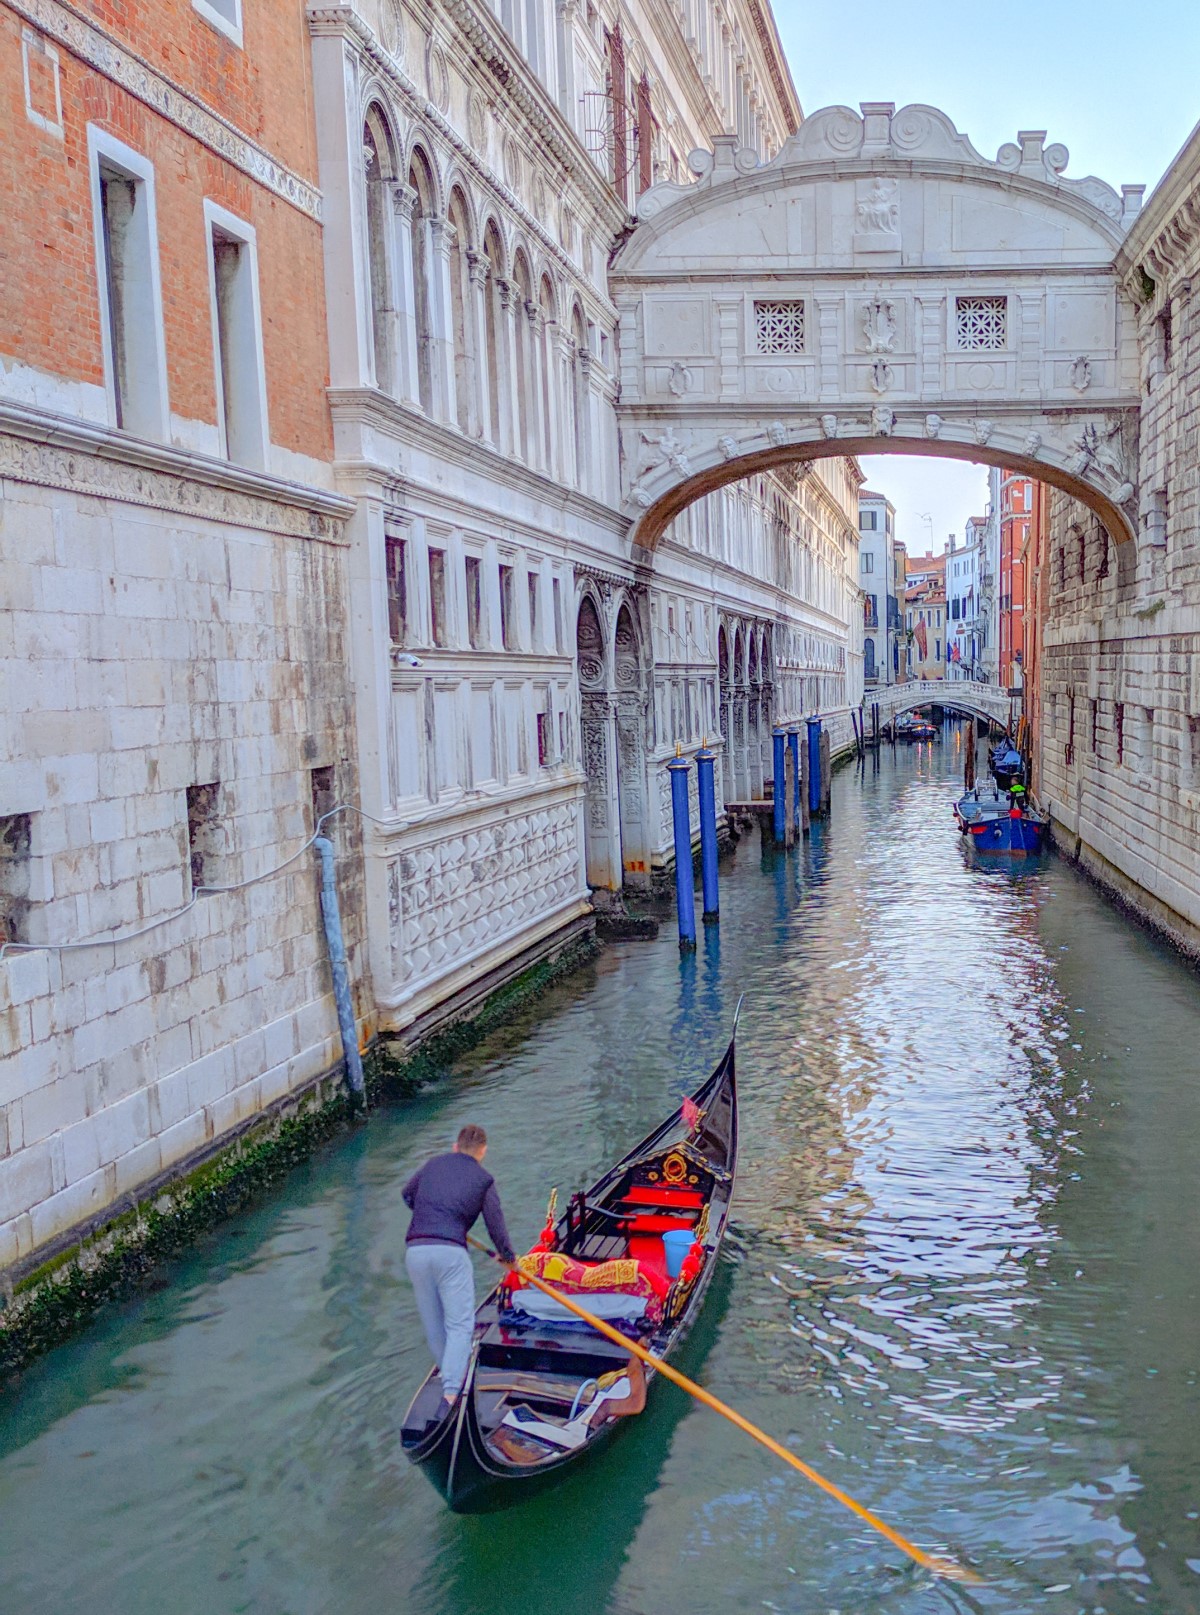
x=523, y=675
x=1117, y=636
x=173, y=623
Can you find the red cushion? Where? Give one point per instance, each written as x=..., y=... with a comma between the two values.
x=649, y=1253
x=651, y=1222
x=649, y=1196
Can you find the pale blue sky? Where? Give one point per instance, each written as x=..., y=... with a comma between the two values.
x=1116, y=83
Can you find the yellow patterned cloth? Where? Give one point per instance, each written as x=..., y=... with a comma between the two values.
x=558, y=1269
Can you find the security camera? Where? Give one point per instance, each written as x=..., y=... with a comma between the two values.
x=407, y=659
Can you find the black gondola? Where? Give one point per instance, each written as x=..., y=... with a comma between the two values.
x=505, y=1435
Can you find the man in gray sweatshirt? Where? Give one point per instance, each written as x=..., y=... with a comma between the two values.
x=446, y=1196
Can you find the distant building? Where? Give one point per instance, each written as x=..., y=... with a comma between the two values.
x=966, y=618
x=925, y=616
x=1016, y=508
x=878, y=578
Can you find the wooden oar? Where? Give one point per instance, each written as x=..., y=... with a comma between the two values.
x=939, y=1566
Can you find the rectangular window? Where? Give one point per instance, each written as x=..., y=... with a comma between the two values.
x=237, y=338
x=438, y=625
x=205, y=833
x=779, y=326
x=982, y=323
x=866, y=521
x=1095, y=727
x=534, y=585
x=474, y=570
x=507, y=609
x=224, y=15
x=558, y=634
x=131, y=324
x=868, y=562
x=1119, y=729
x=395, y=559
x=15, y=871
x=543, y=739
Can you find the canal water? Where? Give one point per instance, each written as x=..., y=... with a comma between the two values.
x=962, y=1282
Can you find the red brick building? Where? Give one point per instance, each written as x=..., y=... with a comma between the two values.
x=1016, y=508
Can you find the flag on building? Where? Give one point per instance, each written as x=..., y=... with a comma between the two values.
x=922, y=640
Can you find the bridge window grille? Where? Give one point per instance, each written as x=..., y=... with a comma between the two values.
x=779, y=326
x=982, y=323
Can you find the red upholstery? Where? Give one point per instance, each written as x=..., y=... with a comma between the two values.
x=650, y=1222
x=648, y=1252
x=685, y=1199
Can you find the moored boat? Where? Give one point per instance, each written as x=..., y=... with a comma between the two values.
x=534, y=1400
x=993, y=822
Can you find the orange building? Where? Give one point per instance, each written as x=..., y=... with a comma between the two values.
x=925, y=616
x=1016, y=508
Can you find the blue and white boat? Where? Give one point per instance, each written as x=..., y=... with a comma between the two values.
x=994, y=821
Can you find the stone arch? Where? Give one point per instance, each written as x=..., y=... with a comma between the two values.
x=904, y=295
x=423, y=187
x=380, y=175
x=629, y=695
x=462, y=314
x=495, y=369
x=601, y=825
x=524, y=366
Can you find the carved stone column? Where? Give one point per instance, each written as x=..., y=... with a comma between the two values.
x=404, y=200
x=441, y=320
x=741, y=771
x=754, y=744
x=480, y=401
x=584, y=405
x=539, y=371
x=511, y=310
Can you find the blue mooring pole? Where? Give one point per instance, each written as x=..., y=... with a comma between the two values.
x=814, y=765
x=682, y=821
x=332, y=917
x=793, y=740
x=778, y=784
x=707, y=789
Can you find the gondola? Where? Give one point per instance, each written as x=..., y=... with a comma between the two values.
x=523, y=1416
x=1000, y=823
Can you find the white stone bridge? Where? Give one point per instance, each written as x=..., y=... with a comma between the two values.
x=894, y=700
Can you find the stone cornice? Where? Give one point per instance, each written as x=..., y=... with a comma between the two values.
x=407, y=426
x=1167, y=230
x=146, y=83
x=772, y=49
x=513, y=80
x=55, y=451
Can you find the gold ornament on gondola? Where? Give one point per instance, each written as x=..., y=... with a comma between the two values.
x=674, y=1169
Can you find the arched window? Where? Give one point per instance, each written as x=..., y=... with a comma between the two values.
x=523, y=294
x=420, y=181
x=577, y=401
x=491, y=316
x=380, y=175
x=868, y=658
x=460, y=312
x=546, y=364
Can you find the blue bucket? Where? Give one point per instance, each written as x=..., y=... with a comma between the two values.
x=677, y=1242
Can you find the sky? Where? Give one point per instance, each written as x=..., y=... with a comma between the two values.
x=1116, y=84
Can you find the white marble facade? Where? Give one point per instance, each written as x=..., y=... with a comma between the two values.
x=523, y=673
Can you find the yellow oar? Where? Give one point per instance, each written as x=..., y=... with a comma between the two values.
x=940, y=1567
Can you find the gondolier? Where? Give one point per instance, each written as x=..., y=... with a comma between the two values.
x=446, y=1198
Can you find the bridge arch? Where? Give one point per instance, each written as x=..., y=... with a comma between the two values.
x=878, y=287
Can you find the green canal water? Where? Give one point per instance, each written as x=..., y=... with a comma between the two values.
x=962, y=1281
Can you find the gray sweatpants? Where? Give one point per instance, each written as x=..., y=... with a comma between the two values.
x=444, y=1285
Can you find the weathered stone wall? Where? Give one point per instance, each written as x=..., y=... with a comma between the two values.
x=143, y=653
x=1119, y=742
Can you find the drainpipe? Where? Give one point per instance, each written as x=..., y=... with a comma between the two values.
x=331, y=914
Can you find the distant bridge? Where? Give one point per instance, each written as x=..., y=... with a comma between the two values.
x=983, y=700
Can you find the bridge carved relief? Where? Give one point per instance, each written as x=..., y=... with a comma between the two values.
x=878, y=287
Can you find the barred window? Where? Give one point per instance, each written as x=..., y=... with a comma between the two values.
x=779, y=327
x=982, y=322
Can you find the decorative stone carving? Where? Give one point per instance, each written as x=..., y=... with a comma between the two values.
x=982, y=431
x=437, y=76
x=728, y=447
x=393, y=31
x=477, y=122
x=681, y=380
x=877, y=217
x=1081, y=374
x=883, y=421
x=829, y=426
x=777, y=433
x=1032, y=445
x=933, y=426
x=1099, y=449
x=881, y=375
x=879, y=326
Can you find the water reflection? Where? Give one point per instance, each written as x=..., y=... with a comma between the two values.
x=961, y=1281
